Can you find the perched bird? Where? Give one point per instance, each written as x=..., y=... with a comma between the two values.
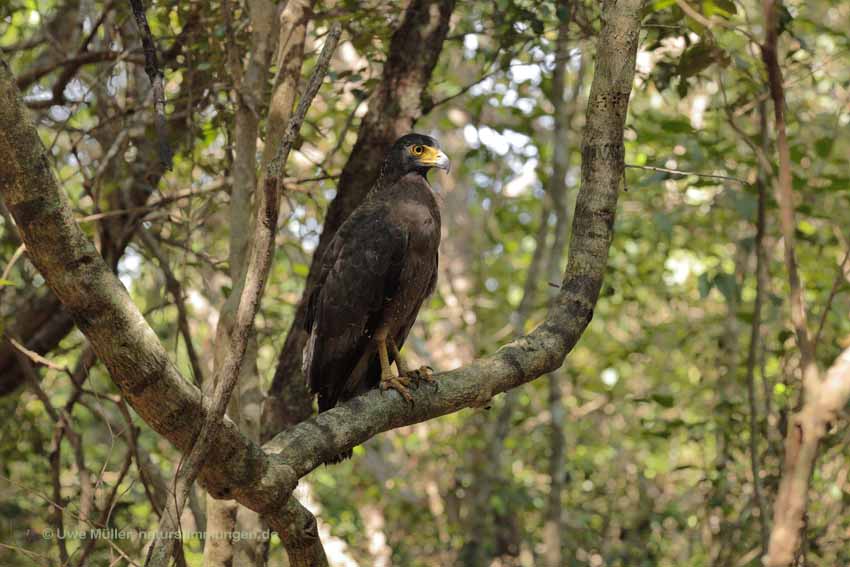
x=375, y=273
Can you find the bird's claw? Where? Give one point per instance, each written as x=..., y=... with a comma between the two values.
x=422, y=374
x=399, y=384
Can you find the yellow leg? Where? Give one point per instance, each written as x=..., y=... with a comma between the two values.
x=424, y=373
x=388, y=380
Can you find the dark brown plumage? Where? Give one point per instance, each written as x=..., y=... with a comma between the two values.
x=376, y=273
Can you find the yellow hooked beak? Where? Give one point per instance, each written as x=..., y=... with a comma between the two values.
x=433, y=157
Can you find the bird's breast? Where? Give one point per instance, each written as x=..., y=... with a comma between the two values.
x=419, y=221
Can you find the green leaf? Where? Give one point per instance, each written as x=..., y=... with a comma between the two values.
x=659, y=5
x=665, y=400
x=723, y=8
x=698, y=58
x=823, y=147
x=726, y=284
x=6, y=282
x=704, y=285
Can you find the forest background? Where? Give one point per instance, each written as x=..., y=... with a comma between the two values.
x=663, y=440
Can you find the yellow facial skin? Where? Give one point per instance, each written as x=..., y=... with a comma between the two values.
x=430, y=156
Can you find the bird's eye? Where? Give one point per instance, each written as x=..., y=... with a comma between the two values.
x=417, y=150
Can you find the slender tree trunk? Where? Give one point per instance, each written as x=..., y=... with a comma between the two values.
x=554, y=523
x=545, y=265
x=224, y=517
x=292, y=33
x=553, y=526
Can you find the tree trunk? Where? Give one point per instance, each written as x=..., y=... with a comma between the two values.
x=226, y=516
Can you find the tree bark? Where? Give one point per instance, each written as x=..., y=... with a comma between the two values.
x=246, y=403
x=264, y=478
x=822, y=397
x=223, y=515
x=553, y=525
x=394, y=106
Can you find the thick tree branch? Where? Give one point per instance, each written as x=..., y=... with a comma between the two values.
x=99, y=305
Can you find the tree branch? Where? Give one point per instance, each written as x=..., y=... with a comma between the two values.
x=822, y=400
x=681, y=172
x=70, y=67
x=785, y=196
x=154, y=73
x=119, y=335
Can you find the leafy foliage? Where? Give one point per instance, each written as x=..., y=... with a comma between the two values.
x=657, y=467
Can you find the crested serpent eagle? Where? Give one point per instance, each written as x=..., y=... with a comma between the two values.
x=376, y=272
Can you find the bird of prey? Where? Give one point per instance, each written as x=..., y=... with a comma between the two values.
x=374, y=275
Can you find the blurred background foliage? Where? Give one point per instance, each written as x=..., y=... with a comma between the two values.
x=653, y=401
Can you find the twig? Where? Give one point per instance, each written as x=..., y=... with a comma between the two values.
x=155, y=75
x=836, y=284
x=745, y=108
x=57, y=512
x=8, y=269
x=71, y=65
x=218, y=185
x=37, y=358
x=681, y=172
x=696, y=16
x=176, y=291
x=752, y=355
x=487, y=74
x=257, y=272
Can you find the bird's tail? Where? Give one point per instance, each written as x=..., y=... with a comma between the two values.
x=371, y=378
x=340, y=458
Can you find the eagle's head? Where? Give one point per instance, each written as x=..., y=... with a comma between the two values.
x=416, y=153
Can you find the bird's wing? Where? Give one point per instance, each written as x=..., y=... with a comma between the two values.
x=361, y=269
x=424, y=293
